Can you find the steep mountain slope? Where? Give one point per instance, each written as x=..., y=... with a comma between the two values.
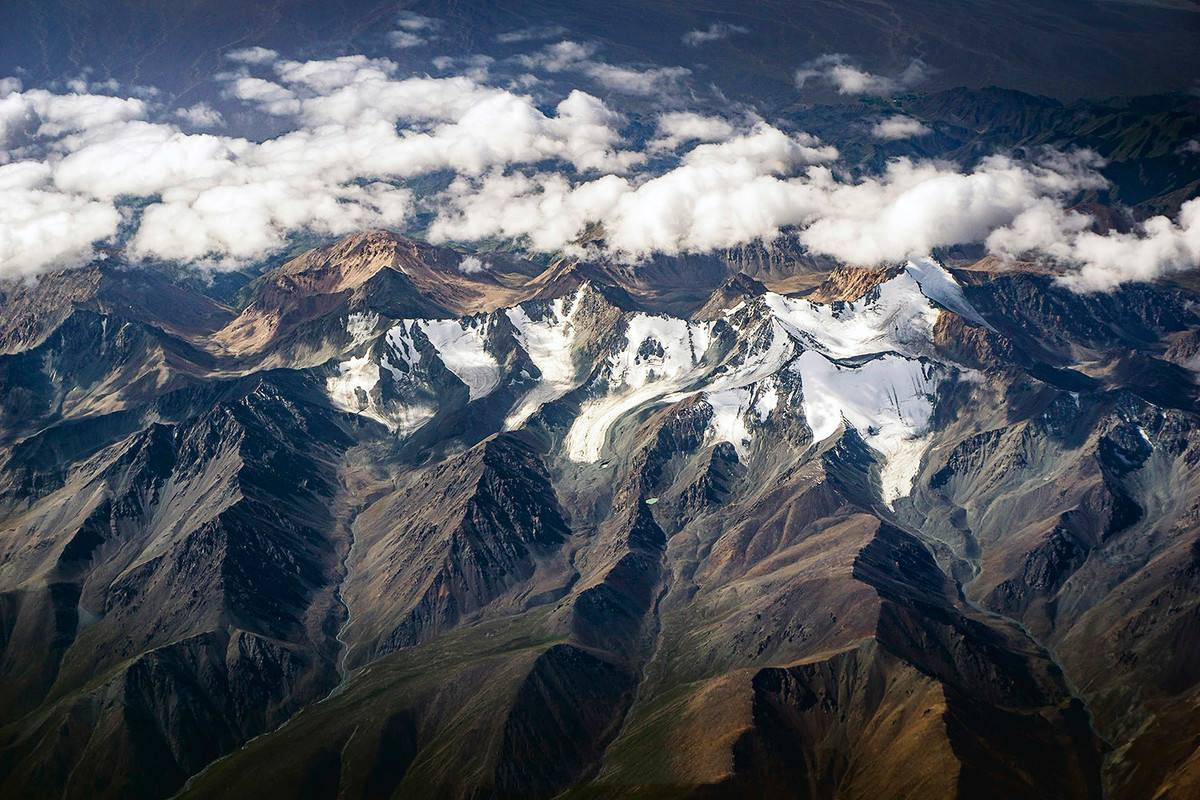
x=175, y=587
x=367, y=274
x=916, y=532
x=31, y=311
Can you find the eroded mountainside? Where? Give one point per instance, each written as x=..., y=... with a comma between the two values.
x=387, y=529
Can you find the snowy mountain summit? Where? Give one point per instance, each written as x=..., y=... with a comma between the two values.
x=579, y=366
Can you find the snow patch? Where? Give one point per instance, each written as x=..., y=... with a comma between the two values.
x=549, y=343
x=404, y=420
x=360, y=326
x=400, y=340
x=765, y=356
x=1142, y=433
x=940, y=286
x=462, y=347
x=661, y=355
x=399, y=349
x=658, y=348
x=899, y=318
x=728, y=423
x=767, y=400
x=886, y=399
x=902, y=462
x=350, y=389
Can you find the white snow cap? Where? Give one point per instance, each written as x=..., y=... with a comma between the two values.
x=661, y=355
x=462, y=347
x=549, y=342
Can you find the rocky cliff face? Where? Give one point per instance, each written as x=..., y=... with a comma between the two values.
x=912, y=532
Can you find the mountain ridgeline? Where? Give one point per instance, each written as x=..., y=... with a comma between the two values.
x=385, y=528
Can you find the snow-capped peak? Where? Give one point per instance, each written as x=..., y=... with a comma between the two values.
x=864, y=363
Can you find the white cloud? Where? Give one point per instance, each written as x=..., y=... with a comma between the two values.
x=252, y=55
x=914, y=208
x=219, y=200
x=78, y=168
x=836, y=70
x=228, y=224
x=1041, y=228
x=476, y=67
x=898, y=127
x=576, y=56
x=719, y=195
x=367, y=97
x=410, y=25
x=745, y=189
x=43, y=229
x=544, y=208
x=266, y=95
x=38, y=113
x=633, y=81
x=330, y=74
x=454, y=123
x=676, y=127
x=82, y=84
x=411, y=21
x=201, y=115
x=766, y=148
x=140, y=159
x=1158, y=245
x=472, y=265
x=402, y=40
x=531, y=34
x=559, y=56
x=714, y=32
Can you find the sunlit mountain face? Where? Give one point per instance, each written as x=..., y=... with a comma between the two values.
x=523, y=400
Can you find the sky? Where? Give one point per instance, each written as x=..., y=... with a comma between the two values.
x=553, y=134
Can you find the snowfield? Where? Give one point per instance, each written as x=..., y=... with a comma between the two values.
x=549, y=342
x=661, y=355
x=858, y=363
x=461, y=346
x=887, y=399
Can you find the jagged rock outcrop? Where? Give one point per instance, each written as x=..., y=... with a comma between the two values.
x=450, y=541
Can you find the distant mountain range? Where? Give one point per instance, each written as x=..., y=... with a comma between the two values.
x=1068, y=49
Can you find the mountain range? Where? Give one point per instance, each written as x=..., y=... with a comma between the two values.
x=392, y=519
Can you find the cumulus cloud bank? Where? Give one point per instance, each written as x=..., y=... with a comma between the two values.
x=676, y=127
x=81, y=171
x=1159, y=245
x=44, y=229
x=201, y=115
x=754, y=186
x=223, y=200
